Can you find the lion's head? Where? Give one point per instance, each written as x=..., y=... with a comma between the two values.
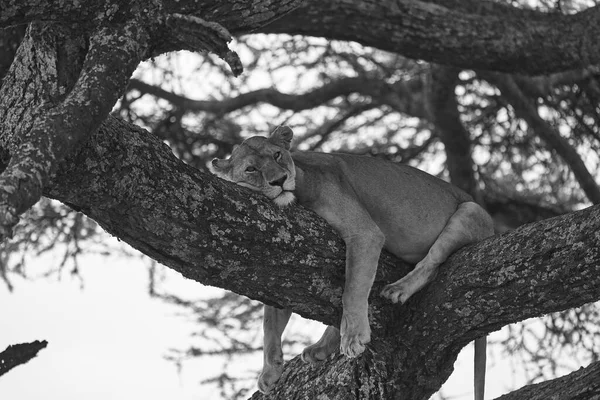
x=262, y=164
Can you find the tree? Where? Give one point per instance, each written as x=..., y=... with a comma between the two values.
x=59, y=140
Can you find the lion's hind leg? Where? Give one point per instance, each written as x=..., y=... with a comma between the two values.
x=469, y=224
x=328, y=344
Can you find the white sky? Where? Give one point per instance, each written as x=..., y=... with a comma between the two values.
x=108, y=340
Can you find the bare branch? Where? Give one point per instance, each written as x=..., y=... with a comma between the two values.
x=525, y=109
x=397, y=95
x=583, y=384
x=18, y=354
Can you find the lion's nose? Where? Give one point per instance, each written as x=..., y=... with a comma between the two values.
x=278, y=182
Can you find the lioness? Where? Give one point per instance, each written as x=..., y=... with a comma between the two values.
x=372, y=204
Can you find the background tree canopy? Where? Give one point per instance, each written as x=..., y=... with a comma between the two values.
x=500, y=97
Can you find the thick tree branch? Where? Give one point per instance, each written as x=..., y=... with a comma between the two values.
x=238, y=15
x=526, y=109
x=226, y=236
x=113, y=56
x=18, y=354
x=471, y=36
x=403, y=96
x=583, y=384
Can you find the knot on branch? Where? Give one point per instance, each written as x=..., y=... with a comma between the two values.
x=200, y=35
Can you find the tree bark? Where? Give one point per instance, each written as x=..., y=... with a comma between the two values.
x=583, y=384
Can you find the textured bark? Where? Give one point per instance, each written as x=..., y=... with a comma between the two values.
x=223, y=235
x=174, y=24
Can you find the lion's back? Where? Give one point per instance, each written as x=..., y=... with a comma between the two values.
x=401, y=199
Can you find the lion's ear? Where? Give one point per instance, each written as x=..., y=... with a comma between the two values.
x=221, y=168
x=282, y=137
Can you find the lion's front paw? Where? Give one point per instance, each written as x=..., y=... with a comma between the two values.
x=269, y=376
x=356, y=333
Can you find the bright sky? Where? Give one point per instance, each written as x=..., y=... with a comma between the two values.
x=108, y=340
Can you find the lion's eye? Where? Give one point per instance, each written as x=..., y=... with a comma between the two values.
x=250, y=169
x=277, y=156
